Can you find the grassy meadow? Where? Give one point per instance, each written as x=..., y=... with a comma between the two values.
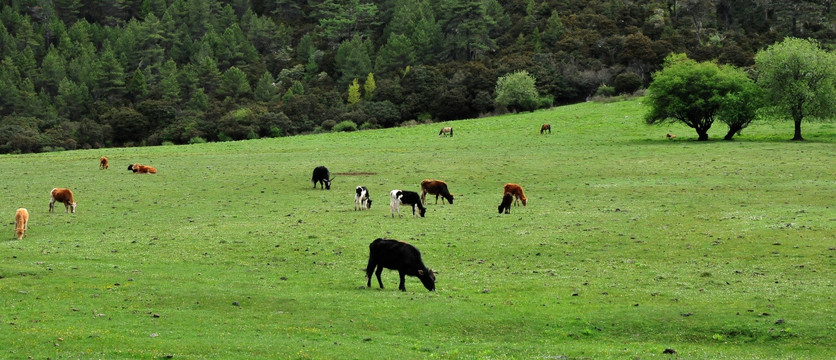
x=631, y=244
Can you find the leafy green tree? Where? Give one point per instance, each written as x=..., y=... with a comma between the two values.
x=740, y=107
x=369, y=87
x=517, y=91
x=799, y=79
x=354, y=92
x=694, y=93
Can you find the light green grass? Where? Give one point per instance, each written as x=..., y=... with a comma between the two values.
x=630, y=244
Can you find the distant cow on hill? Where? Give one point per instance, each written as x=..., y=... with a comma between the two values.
x=322, y=176
x=670, y=136
x=361, y=198
x=546, y=127
x=517, y=191
x=435, y=187
x=21, y=223
x=402, y=197
x=400, y=256
x=103, y=164
x=446, y=131
x=64, y=196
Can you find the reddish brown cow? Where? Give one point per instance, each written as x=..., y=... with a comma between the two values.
x=62, y=195
x=142, y=169
x=103, y=164
x=517, y=191
x=437, y=188
x=546, y=127
x=670, y=136
x=21, y=222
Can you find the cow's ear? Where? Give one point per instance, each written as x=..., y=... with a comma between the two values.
x=421, y=272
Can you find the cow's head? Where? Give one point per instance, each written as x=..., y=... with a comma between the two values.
x=427, y=278
x=72, y=207
x=422, y=211
x=131, y=167
x=328, y=183
x=369, y=203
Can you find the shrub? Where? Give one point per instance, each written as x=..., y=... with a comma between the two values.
x=605, y=90
x=327, y=125
x=197, y=140
x=627, y=83
x=347, y=125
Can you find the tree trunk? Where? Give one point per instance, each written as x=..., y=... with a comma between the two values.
x=702, y=135
x=798, y=131
x=732, y=130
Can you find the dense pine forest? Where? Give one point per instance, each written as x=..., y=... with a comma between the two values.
x=100, y=73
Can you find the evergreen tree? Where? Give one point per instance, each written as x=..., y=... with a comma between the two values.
x=395, y=55
x=137, y=87
x=53, y=70
x=353, y=59
x=234, y=84
x=265, y=90
x=466, y=27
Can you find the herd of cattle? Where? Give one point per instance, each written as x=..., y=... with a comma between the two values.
x=398, y=255
x=383, y=253
x=65, y=196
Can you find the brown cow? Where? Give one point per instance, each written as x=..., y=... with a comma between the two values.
x=62, y=195
x=517, y=191
x=21, y=223
x=546, y=127
x=446, y=131
x=670, y=136
x=435, y=187
x=103, y=164
x=142, y=169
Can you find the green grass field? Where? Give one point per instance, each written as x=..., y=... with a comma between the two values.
x=630, y=244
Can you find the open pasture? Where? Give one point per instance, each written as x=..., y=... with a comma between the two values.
x=630, y=244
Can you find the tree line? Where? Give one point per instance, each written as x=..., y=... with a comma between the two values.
x=98, y=73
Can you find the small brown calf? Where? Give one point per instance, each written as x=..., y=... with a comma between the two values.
x=21, y=223
x=62, y=195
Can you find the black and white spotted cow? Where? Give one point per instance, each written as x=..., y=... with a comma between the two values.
x=403, y=197
x=361, y=199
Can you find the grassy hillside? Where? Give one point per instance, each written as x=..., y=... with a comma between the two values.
x=630, y=244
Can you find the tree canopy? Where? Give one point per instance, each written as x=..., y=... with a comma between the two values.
x=800, y=80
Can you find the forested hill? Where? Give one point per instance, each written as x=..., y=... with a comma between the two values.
x=97, y=73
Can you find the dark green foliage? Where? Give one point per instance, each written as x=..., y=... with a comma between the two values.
x=90, y=62
x=627, y=83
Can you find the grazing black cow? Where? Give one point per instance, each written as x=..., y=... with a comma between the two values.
x=322, y=176
x=506, y=203
x=397, y=255
x=361, y=198
x=403, y=197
